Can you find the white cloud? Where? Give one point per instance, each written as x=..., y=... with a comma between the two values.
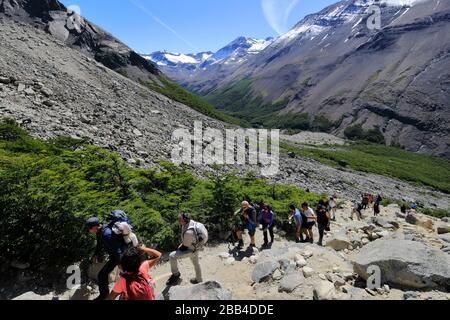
x=277, y=13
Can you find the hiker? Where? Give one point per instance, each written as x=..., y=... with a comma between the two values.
x=365, y=201
x=356, y=209
x=113, y=244
x=323, y=220
x=267, y=222
x=333, y=207
x=378, y=199
x=249, y=219
x=403, y=208
x=135, y=283
x=376, y=209
x=299, y=223
x=192, y=242
x=310, y=221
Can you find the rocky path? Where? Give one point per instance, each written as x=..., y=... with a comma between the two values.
x=414, y=260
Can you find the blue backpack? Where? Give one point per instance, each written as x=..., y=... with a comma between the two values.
x=117, y=216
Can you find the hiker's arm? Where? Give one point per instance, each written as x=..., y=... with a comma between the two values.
x=155, y=254
x=112, y=296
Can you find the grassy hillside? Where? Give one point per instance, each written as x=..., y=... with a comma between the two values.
x=240, y=101
x=50, y=187
x=176, y=92
x=380, y=159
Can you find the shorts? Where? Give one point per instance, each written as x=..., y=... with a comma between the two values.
x=310, y=225
x=251, y=229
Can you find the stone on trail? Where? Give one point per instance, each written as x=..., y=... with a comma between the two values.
x=325, y=290
x=31, y=296
x=291, y=282
x=308, y=272
x=301, y=262
x=339, y=241
x=443, y=229
x=405, y=263
x=264, y=270
x=205, y=291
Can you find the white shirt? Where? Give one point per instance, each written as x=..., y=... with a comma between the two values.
x=309, y=213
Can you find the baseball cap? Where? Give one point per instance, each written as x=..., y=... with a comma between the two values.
x=92, y=222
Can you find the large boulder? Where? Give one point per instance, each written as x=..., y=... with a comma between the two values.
x=405, y=263
x=414, y=219
x=443, y=229
x=204, y=291
x=339, y=241
x=385, y=223
x=264, y=270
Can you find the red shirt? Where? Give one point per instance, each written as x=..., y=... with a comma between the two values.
x=121, y=285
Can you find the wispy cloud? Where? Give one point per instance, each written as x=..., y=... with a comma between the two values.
x=163, y=24
x=277, y=13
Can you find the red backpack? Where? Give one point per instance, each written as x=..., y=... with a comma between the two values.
x=138, y=287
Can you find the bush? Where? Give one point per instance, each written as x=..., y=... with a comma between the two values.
x=357, y=132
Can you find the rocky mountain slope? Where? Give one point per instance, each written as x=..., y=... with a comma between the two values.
x=412, y=252
x=81, y=34
x=63, y=92
x=187, y=69
x=331, y=64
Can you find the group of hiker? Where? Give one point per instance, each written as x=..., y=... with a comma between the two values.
x=366, y=201
x=115, y=236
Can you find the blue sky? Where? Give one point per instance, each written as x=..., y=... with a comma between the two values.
x=193, y=25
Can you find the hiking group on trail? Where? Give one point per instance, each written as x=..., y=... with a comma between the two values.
x=116, y=238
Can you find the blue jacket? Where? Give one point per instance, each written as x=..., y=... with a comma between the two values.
x=113, y=244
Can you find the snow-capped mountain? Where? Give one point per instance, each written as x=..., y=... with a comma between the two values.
x=182, y=67
x=335, y=65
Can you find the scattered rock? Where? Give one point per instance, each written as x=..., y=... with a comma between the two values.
x=137, y=133
x=264, y=270
x=47, y=92
x=5, y=80
x=410, y=295
x=325, y=290
x=291, y=282
x=300, y=261
x=277, y=275
x=308, y=272
x=307, y=254
x=405, y=263
x=21, y=87
x=400, y=215
x=386, y=288
x=339, y=241
x=230, y=261
x=204, y=291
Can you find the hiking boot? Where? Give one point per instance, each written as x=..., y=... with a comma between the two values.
x=173, y=280
x=265, y=245
x=194, y=281
x=320, y=244
x=298, y=240
x=240, y=244
x=311, y=241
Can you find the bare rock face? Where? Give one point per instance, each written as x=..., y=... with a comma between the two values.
x=405, y=263
x=75, y=31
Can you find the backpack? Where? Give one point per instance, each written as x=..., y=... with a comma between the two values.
x=117, y=216
x=201, y=234
x=138, y=287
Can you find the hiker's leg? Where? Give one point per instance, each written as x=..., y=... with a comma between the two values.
x=272, y=236
x=266, y=238
x=103, y=278
x=239, y=234
x=174, y=257
x=321, y=233
x=196, y=263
